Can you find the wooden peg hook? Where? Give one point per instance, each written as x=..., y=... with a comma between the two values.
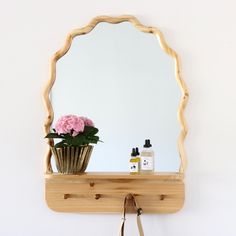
x=97, y=196
x=162, y=197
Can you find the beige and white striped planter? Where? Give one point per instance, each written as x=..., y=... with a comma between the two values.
x=72, y=160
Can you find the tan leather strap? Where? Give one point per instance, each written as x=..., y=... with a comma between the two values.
x=137, y=209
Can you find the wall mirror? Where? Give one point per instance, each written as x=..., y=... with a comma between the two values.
x=125, y=77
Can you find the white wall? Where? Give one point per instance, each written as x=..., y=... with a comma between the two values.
x=204, y=35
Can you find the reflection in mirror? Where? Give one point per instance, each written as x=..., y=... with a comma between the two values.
x=121, y=79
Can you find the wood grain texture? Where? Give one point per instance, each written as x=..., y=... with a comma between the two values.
x=142, y=28
x=116, y=175
x=105, y=192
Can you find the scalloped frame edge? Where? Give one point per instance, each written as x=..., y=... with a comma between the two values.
x=146, y=29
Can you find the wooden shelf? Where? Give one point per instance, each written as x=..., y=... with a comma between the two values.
x=104, y=191
x=118, y=175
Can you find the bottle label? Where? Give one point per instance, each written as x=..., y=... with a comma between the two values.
x=134, y=167
x=147, y=163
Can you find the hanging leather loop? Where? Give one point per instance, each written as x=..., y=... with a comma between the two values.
x=138, y=211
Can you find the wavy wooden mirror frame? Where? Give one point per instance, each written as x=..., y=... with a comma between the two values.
x=104, y=192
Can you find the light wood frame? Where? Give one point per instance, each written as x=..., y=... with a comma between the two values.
x=51, y=179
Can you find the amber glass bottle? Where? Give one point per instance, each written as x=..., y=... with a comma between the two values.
x=134, y=162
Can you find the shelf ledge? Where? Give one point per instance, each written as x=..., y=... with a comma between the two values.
x=160, y=192
x=118, y=175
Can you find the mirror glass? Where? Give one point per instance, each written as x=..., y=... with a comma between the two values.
x=121, y=79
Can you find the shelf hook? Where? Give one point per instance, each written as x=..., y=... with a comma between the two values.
x=162, y=197
x=97, y=196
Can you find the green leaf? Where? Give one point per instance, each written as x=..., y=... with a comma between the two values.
x=84, y=138
x=69, y=141
x=90, y=130
x=67, y=136
x=95, y=138
x=92, y=139
x=53, y=135
x=78, y=140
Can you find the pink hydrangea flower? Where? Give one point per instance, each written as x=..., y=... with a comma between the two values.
x=87, y=121
x=68, y=123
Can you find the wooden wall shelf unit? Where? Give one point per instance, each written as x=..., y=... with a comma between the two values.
x=105, y=192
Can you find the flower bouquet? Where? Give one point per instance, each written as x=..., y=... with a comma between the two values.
x=73, y=151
